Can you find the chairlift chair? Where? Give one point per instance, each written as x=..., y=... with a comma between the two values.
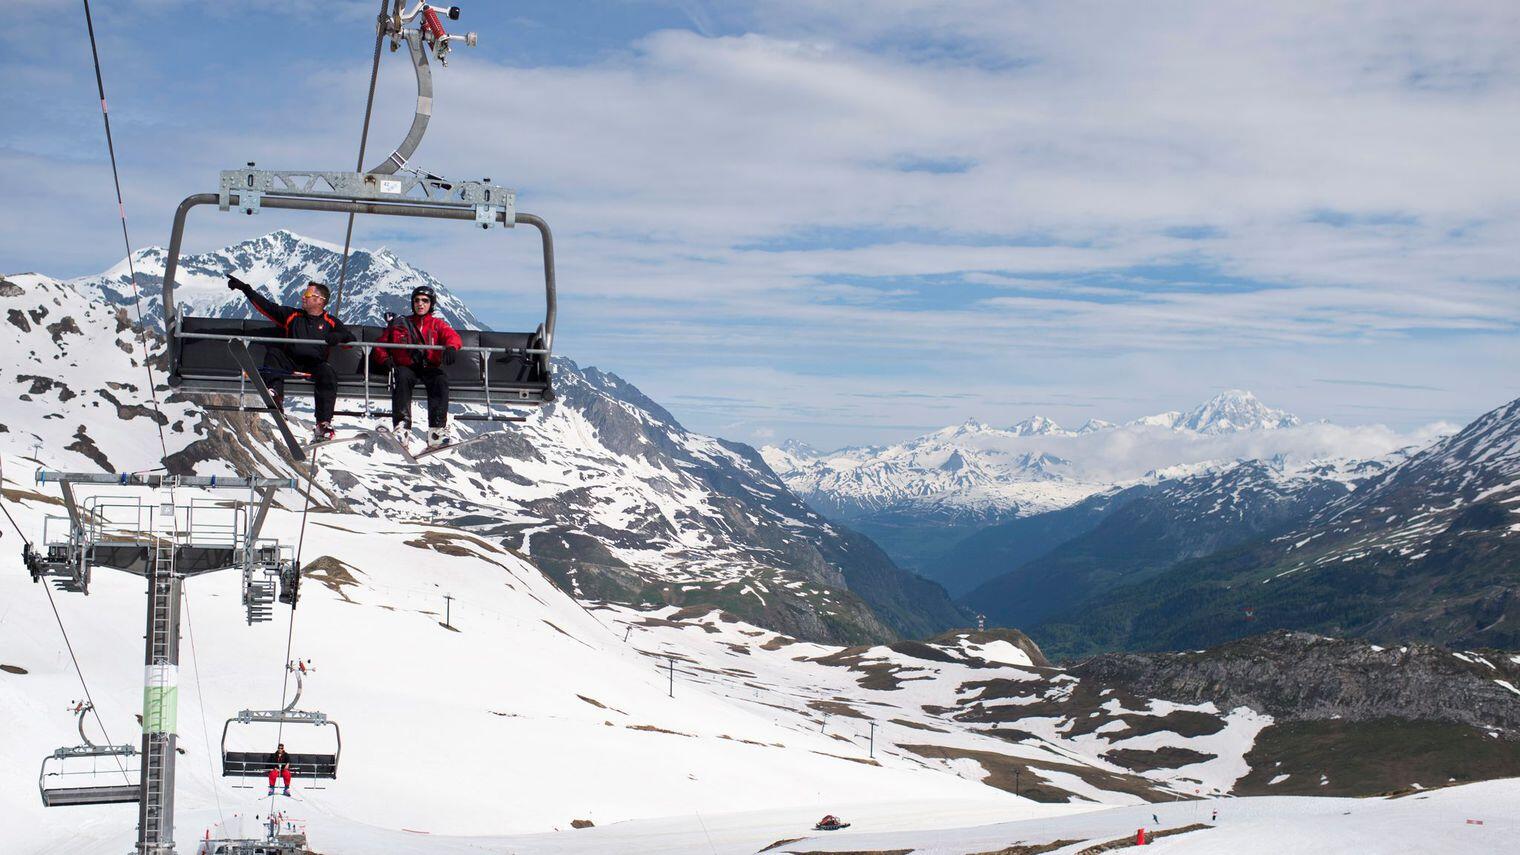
x=90, y=774
x=211, y=355
x=256, y=764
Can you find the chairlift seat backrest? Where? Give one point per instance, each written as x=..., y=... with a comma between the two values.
x=204, y=365
x=256, y=764
x=508, y=369
x=112, y=795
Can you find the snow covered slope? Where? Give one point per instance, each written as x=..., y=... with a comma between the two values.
x=1477, y=818
x=529, y=711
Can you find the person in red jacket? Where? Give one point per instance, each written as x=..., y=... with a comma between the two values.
x=423, y=326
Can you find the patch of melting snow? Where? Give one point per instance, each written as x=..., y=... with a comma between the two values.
x=1000, y=651
x=1278, y=779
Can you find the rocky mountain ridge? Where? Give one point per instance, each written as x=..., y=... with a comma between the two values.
x=278, y=264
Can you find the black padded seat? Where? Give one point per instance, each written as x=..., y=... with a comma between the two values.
x=256, y=764
x=207, y=358
x=510, y=369
x=467, y=370
x=206, y=365
x=112, y=795
x=348, y=361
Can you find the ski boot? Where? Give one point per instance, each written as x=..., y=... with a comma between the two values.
x=287, y=791
x=279, y=399
x=438, y=437
x=323, y=432
x=271, y=791
x=402, y=432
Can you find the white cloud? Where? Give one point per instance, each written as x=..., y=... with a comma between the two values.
x=1352, y=156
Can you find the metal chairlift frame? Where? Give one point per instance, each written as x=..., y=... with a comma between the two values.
x=109, y=794
x=388, y=191
x=256, y=764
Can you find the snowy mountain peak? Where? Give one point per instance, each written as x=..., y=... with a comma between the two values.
x=1095, y=425
x=1235, y=410
x=799, y=449
x=1037, y=426
x=278, y=264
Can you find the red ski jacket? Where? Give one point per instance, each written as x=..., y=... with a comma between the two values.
x=417, y=329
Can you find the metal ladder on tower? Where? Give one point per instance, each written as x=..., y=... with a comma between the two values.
x=160, y=631
x=260, y=588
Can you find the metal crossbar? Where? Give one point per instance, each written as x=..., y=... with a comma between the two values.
x=364, y=345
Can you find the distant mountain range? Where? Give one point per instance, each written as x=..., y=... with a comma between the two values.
x=1427, y=549
x=921, y=497
x=1125, y=535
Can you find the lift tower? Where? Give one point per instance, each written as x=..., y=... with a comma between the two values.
x=165, y=542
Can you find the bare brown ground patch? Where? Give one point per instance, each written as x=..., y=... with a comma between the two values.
x=675, y=624
x=917, y=725
x=749, y=741
x=1127, y=842
x=332, y=574
x=649, y=728
x=836, y=708
x=861, y=760
x=599, y=705
x=1170, y=757
x=854, y=852
x=879, y=676
x=1031, y=848
x=12, y=495
x=1022, y=774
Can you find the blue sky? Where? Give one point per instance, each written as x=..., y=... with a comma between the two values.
x=848, y=222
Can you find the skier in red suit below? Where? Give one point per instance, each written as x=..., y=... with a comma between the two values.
x=280, y=768
x=422, y=326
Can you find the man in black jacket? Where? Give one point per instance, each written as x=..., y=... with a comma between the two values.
x=311, y=321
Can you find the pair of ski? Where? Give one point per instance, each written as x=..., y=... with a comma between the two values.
x=255, y=375
x=382, y=434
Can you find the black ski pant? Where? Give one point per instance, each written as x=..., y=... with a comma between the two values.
x=279, y=365
x=404, y=379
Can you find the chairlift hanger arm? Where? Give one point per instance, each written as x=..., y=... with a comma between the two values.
x=66, y=486
x=266, y=498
